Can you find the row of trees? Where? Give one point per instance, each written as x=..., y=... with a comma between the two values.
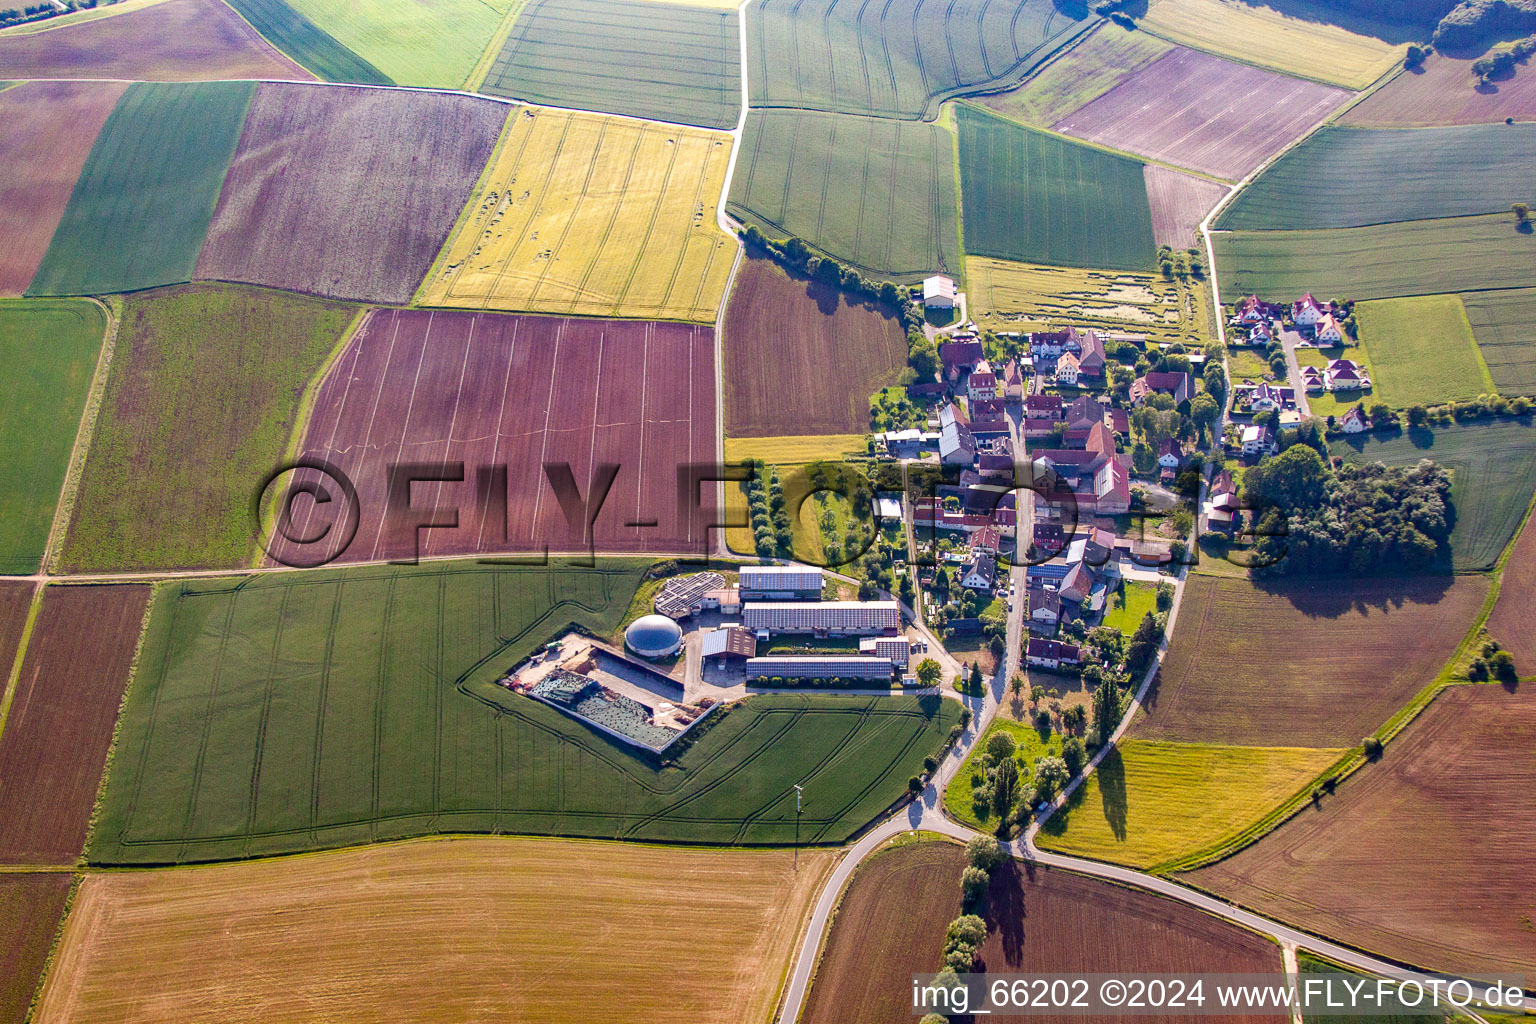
x=1181, y=263
x=771, y=533
x=796, y=254
x=1356, y=519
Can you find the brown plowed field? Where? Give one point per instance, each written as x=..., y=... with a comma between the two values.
x=890, y=925
x=49, y=130
x=347, y=193
x=1443, y=91
x=30, y=905
x=1513, y=620
x=1424, y=857
x=15, y=599
x=538, y=931
x=1179, y=203
x=61, y=719
x=1196, y=110
x=1303, y=664
x=177, y=41
x=523, y=392
x=800, y=359
x=1051, y=921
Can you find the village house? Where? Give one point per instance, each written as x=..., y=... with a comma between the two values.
x=1312, y=379
x=1259, y=440
x=980, y=573
x=1067, y=369
x=994, y=456
x=1047, y=539
x=1044, y=653
x=982, y=383
x=1222, y=507
x=939, y=292
x=1013, y=381
x=988, y=416
x=960, y=355
x=1345, y=375
x=1170, y=454
x=1306, y=312
x=1090, y=359
x=1261, y=334
x=1355, y=421
x=1328, y=331
x=1044, y=607
x=1050, y=345
x=1181, y=386
x=1253, y=310
x=1265, y=397
x=957, y=445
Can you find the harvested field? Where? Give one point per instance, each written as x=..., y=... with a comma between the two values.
x=1423, y=857
x=347, y=193
x=589, y=215
x=200, y=403
x=521, y=393
x=307, y=43
x=358, y=928
x=1504, y=323
x=893, y=915
x=1150, y=802
x=296, y=711
x=873, y=192
x=176, y=41
x=141, y=207
x=1350, y=177
x=1493, y=475
x=1097, y=63
x=1179, y=203
x=1420, y=257
x=801, y=358
x=61, y=719
x=1339, y=657
x=667, y=63
x=30, y=908
x=793, y=450
x=76, y=17
x=1195, y=110
x=49, y=348
x=1007, y=296
x=1296, y=45
x=413, y=42
x=1421, y=351
x=1443, y=90
x=49, y=129
x=1513, y=620
x=901, y=59
x=1029, y=195
x=878, y=939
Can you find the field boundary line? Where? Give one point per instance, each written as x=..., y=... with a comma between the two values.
x=14, y=676
x=99, y=803
x=306, y=410
x=101, y=13
x=1333, y=82
x=493, y=47
x=53, y=946
x=63, y=512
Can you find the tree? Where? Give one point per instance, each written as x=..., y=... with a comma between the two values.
x=1005, y=788
x=1107, y=709
x=1415, y=56
x=914, y=785
x=1165, y=591
x=1074, y=753
x=1000, y=746
x=1522, y=212
x=1204, y=411
x=1051, y=774
x=983, y=852
x=973, y=883
x=963, y=939
x=976, y=676
x=1216, y=382
x=923, y=357
x=933, y=1018
x=929, y=672
x=1017, y=685
x=1294, y=479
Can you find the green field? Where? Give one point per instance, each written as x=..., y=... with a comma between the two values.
x=414, y=42
x=1041, y=198
x=200, y=404
x=1422, y=351
x=1493, y=467
x=875, y=192
x=1030, y=747
x=1092, y=67
x=49, y=349
x=140, y=210
x=307, y=43
x=666, y=61
x=900, y=58
x=296, y=711
x=1504, y=323
x=1344, y=177
x=1421, y=257
x=1150, y=801
x=1127, y=607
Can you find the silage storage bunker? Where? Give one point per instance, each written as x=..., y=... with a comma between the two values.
x=653, y=636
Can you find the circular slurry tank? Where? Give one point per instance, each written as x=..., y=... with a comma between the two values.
x=653, y=636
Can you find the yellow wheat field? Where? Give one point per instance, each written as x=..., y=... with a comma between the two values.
x=592, y=215
x=538, y=931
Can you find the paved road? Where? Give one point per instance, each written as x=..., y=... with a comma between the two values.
x=1288, y=341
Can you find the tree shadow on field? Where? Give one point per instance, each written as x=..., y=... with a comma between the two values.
x=1334, y=597
x=1008, y=910
x=1111, y=775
